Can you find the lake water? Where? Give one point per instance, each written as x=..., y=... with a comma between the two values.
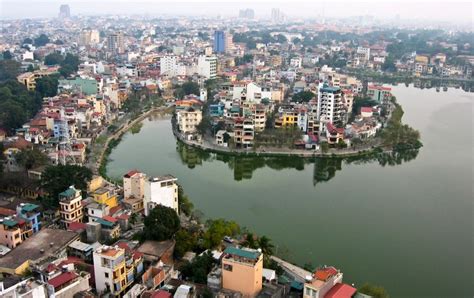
x=407, y=227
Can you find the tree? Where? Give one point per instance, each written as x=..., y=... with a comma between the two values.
x=217, y=229
x=190, y=88
x=47, y=86
x=389, y=64
x=249, y=241
x=185, y=205
x=9, y=70
x=373, y=291
x=198, y=269
x=31, y=158
x=41, y=40
x=303, y=96
x=27, y=41
x=56, y=179
x=266, y=245
x=7, y=55
x=53, y=59
x=204, y=125
x=324, y=147
x=161, y=224
x=185, y=241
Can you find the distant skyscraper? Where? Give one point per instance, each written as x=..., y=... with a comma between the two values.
x=64, y=11
x=219, y=41
x=115, y=43
x=246, y=13
x=277, y=15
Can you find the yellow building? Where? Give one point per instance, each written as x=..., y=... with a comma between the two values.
x=115, y=269
x=287, y=119
x=29, y=78
x=96, y=183
x=70, y=206
x=242, y=270
x=105, y=196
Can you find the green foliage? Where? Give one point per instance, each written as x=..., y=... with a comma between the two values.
x=56, y=179
x=217, y=229
x=41, y=40
x=9, y=70
x=204, y=126
x=324, y=147
x=198, y=269
x=341, y=144
x=27, y=41
x=303, y=96
x=31, y=158
x=185, y=205
x=7, y=55
x=53, y=59
x=389, y=64
x=185, y=241
x=161, y=224
x=374, y=291
x=17, y=104
x=69, y=65
x=247, y=58
x=190, y=88
x=47, y=86
x=400, y=136
x=136, y=128
x=360, y=102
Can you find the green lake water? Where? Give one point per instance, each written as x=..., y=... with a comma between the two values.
x=408, y=227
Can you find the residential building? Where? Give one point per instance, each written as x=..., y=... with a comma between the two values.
x=244, y=133
x=38, y=250
x=16, y=287
x=105, y=195
x=70, y=206
x=64, y=11
x=115, y=43
x=10, y=232
x=168, y=65
x=29, y=78
x=134, y=184
x=188, y=120
x=109, y=270
x=242, y=270
x=31, y=213
x=89, y=37
x=161, y=190
x=321, y=282
x=207, y=66
x=379, y=93
x=330, y=108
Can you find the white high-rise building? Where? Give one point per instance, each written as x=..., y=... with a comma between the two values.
x=162, y=190
x=169, y=65
x=134, y=184
x=330, y=108
x=207, y=66
x=115, y=42
x=89, y=37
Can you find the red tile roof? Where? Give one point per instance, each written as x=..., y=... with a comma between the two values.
x=341, y=291
x=7, y=212
x=109, y=218
x=76, y=226
x=161, y=294
x=325, y=273
x=62, y=279
x=366, y=109
x=131, y=173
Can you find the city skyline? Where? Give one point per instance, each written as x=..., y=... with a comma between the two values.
x=461, y=13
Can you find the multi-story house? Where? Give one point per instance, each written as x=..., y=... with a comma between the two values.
x=115, y=269
x=322, y=281
x=134, y=184
x=32, y=214
x=70, y=206
x=189, y=119
x=330, y=107
x=379, y=93
x=105, y=195
x=242, y=270
x=244, y=133
x=162, y=190
x=10, y=233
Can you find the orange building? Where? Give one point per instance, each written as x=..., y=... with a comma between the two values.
x=242, y=270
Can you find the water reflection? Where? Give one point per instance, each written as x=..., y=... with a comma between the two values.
x=324, y=168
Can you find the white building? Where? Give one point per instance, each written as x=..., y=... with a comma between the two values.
x=109, y=270
x=330, y=107
x=207, y=66
x=169, y=65
x=189, y=119
x=295, y=62
x=162, y=190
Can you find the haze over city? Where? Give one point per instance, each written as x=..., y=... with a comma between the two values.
x=457, y=12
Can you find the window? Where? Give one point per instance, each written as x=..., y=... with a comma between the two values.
x=228, y=267
x=106, y=275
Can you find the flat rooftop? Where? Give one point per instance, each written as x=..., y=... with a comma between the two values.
x=48, y=240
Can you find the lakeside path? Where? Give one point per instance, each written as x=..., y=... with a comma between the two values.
x=96, y=158
x=207, y=145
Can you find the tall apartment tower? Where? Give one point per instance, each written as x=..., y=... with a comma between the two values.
x=64, y=11
x=242, y=270
x=115, y=43
x=219, y=41
x=70, y=206
x=330, y=108
x=276, y=15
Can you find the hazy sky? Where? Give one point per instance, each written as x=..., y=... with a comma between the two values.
x=461, y=11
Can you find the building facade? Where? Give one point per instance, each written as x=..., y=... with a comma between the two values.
x=70, y=206
x=161, y=190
